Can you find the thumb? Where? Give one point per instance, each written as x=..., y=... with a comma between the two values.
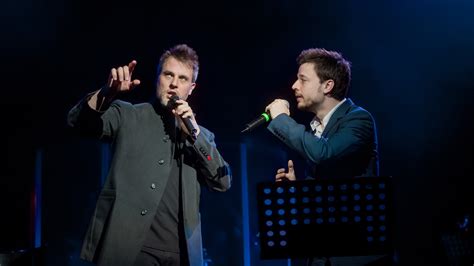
x=291, y=171
x=134, y=83
x=290, y=166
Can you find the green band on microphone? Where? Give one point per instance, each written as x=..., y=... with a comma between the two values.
x=267, y=117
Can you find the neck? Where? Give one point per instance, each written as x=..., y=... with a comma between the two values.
x=325, y=107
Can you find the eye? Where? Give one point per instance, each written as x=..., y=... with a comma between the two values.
x=168, y=74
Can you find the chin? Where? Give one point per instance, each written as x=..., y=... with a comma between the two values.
x=301, y=106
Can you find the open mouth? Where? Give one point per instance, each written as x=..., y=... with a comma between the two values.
x=169, y=94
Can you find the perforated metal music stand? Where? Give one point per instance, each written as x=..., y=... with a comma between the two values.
x=331, y=217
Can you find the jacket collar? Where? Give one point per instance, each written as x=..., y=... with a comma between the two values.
x=340, y=112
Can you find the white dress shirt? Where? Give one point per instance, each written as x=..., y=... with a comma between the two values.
x=317, y=127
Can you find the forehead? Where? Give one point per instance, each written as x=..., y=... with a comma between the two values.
x=177, y=67
x=307, y=69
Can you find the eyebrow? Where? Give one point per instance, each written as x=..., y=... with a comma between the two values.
x=183, y=77
x=301, y=75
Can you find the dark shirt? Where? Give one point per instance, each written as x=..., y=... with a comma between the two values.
x=166, y=229
x=138, y=176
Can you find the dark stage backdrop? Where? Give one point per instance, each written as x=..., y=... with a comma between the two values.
x=412, y=64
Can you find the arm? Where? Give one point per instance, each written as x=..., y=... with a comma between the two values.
x=210, y=165
x=120, y=80
x=354, y=133
x=92, y=115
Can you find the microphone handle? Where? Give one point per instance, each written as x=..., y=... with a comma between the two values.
x=187, y=121
x=263, y=118
x=190, y=127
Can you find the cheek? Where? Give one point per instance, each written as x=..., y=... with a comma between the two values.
x=310, y=93
x=164, y=81
x=304, y=92
x=159, y=87
x=184, y=94
x=186, y=90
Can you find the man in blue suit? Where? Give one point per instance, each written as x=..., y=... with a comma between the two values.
x=342, y=140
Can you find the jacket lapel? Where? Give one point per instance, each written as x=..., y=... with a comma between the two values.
x=338, y=114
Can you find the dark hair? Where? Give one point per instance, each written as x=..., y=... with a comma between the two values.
x=184, y=54
x=329, y=65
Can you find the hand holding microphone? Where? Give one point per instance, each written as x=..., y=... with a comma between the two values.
x=277, y=107
x=183, y=110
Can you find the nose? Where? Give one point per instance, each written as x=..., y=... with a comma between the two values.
x=174, y=83
x=294, y=86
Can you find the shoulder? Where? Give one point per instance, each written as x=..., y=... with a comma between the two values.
x=129, y=111
x=137, y=106
x=143, y=107
x=129, y=107
x=120, y=104
x=206, y=133
x=358, y=111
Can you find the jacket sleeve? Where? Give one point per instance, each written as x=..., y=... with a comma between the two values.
x=354, y=134
x=211, y=166
x=91, y=123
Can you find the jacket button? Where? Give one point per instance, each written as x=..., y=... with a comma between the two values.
x=144, y=212
x=161, y=161
x=153, y=186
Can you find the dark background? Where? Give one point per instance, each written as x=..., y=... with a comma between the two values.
x=412, y=67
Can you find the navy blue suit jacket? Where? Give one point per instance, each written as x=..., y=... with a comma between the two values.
x=346, y=148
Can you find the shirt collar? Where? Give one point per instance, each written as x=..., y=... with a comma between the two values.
x=315, y=122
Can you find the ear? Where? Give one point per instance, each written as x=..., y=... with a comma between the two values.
x=328, y=86
x=193, y=86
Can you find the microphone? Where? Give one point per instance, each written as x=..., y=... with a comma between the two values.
x=186, y=120
x=262, y=119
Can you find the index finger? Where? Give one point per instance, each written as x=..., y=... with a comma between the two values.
x=131, y=66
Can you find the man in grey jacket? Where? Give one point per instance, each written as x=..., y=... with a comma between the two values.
x=148, y=210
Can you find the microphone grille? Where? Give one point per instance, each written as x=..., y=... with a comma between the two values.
x=172, y=102
x=174, y=98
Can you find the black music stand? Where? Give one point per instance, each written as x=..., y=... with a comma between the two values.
x=331, y=217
